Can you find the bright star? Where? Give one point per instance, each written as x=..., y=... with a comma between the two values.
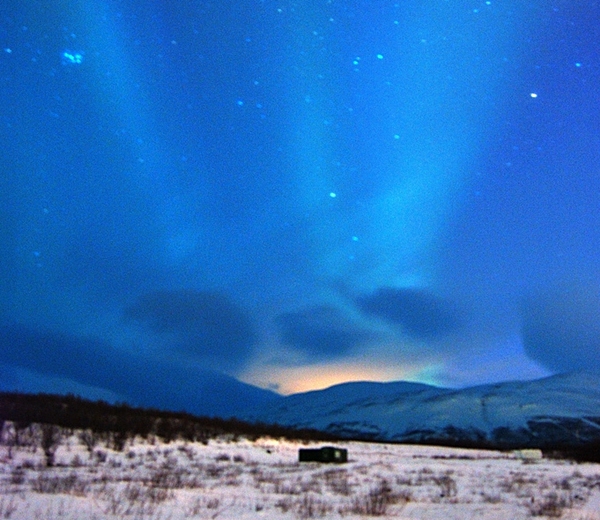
x=72, y=58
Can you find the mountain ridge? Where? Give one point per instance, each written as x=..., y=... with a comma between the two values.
x=558, y=409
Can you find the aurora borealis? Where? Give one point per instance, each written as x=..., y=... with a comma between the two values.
x=296, y=194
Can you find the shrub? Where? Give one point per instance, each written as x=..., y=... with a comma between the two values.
x=337, y=481
x=71, y=483
x=284, y=504
x=447, y=486
x=7, y=507
x=89, y=439
x=373, y=503
x=17, y=476
x=51, y=439
x=550, y=505
x=310, y=506
x=101, y=456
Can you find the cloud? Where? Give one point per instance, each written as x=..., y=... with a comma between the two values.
x=141, y=380
x=561, y=327
x=203, y=325
x=87, y=361
x=419, y=313
x=321, y=331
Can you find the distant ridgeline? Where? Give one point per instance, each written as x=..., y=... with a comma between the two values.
x=73, y=412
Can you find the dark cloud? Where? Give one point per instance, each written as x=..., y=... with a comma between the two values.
x=320, y=331
x=561, y=327
x=420, y=313
x=57, y=354
x=141, y=380
x=204, y=325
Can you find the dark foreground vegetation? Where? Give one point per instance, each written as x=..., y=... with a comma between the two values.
x=99, y=420
x=122, y=422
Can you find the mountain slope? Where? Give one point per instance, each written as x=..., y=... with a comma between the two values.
x=562, y=409
x=34, y=360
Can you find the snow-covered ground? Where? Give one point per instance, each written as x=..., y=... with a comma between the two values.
x=245, y=479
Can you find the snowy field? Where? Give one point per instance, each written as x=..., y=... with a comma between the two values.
x=262, y=479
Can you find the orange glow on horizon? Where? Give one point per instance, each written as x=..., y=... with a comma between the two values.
x=291, y=380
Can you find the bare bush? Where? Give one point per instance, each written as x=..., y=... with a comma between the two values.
x=373, y=503
x=122, y=438
x=17, y=476
x=29, y=464
x=213, y=503
x=51, y=439
x=550, y=505
x=194, y=508
x=26, y=435
x=222, y=457
x=8, y=437
x=518, y=483
x=262, y=477
x=287, y=488
x=76, y=462
x=447, y=484
x=54, y=484
x=157, y=496
x=188, y=451
x=310, y=506
x=337, y=481
x=214, y=471
x=284, y=504
x=89, y=439
x=491, y=498
x=137, y=494
x=134, y=499
x=8, y=507
x=166, y=478
x=312, y=484
x=114, y=503
x=100, y=456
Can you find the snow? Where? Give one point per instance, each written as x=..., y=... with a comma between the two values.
x=242, y=479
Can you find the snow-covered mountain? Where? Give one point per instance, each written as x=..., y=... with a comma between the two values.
x=557, y=410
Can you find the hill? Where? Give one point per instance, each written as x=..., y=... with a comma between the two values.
x=561, y=411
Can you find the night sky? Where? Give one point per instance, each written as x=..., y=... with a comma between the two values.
x=296, y=194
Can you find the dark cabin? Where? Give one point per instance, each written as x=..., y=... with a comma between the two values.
x=325, y=454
